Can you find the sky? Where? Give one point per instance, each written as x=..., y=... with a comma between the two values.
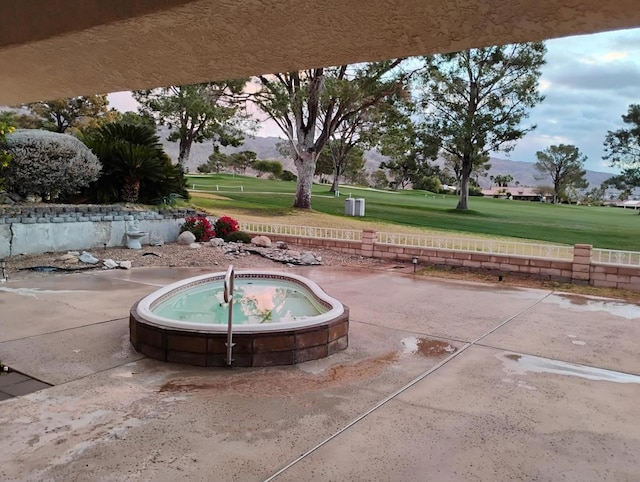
x=589, y=82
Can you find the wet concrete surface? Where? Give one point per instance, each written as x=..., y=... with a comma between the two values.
x=474, y=420
x=580, y=329
x=70, y=354
x=522, y=410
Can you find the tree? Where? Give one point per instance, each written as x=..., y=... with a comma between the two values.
x=622, y=149
x=242, y=160
x=196, y=113
x=310, y=105
x=217, y=161
x=625, y=182
x=135, y=166
x=428, y=183
x=272, y=167
x=408, y=145
x=596, y=195
x=503, y=180
x=131, y=117
x=475, y=101
x=48, y=164
x=340, y=157
x=63, y=114
x=543, y=191
x=564, y=165
x=379, y=179
x=19, y=120
x=453, y=164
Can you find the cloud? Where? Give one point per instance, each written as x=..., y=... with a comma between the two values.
x=589, y=82
x=621, y=77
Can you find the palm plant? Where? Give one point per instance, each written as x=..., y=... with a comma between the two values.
x=135, y=167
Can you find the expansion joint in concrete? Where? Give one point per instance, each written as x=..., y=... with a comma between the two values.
x=419, y=378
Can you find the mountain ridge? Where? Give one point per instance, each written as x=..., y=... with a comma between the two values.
x=265, y=147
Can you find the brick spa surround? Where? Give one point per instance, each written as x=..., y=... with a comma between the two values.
x=251, y=349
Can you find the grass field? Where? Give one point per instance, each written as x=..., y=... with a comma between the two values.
x=602, y=227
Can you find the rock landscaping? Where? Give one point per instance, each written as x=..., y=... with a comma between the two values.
x=214, y=254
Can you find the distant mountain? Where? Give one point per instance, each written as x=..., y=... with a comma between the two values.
x=525, y=173
x=265, y=148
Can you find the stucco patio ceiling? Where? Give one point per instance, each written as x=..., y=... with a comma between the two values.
x=61, y=48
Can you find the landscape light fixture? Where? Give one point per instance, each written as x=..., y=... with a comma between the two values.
x=414, y=260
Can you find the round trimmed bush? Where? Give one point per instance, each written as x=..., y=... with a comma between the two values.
x=49, y=164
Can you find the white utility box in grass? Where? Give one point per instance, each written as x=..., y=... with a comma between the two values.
x=349, y=207
x=359, y=207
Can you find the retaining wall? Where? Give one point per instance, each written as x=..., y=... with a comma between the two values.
x=579, y=270
x=41, y=229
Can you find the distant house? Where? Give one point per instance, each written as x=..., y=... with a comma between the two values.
x=623, y=204
x=517, y=193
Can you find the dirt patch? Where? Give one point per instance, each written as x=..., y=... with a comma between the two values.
x=283, y=381
x=514, y=281
x=434, y=348
x=513, y=356
x=210, y=196
x=174, y=255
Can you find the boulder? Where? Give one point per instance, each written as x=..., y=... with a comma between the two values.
x=156, y=240
x=262, y=241
x=109, y=263
x=186, y=238
x=307, y=258
x=216, y=242
x=67, y=257
x=282, y=245
x=195, y=246
x=88, y=258
x=125, y=264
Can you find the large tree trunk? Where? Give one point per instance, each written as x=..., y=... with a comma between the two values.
x=185, y=150
x=335, y=183
x=306, y=167
x=467, y=166
x=130, y=190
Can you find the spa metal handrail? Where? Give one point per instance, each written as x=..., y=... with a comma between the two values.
x=229, y=282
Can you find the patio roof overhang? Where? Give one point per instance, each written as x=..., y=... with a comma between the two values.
x=60, y=48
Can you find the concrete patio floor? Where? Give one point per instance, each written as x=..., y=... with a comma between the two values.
x=443, y=380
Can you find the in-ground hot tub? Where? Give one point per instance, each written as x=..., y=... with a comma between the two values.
x=278, y=319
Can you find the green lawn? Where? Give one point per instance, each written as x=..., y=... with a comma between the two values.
x=602, y=227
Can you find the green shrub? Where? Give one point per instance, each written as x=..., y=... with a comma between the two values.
x=288, y=176
x=5, y=157
x=135, y=166
x=238, y=237
x=272, y=167
x=49, y=164
x=475, y=191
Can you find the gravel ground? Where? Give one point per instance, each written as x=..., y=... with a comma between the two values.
x=172, y=255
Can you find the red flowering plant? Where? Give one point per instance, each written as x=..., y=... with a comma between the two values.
x=225, y=226
x=200, y=227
